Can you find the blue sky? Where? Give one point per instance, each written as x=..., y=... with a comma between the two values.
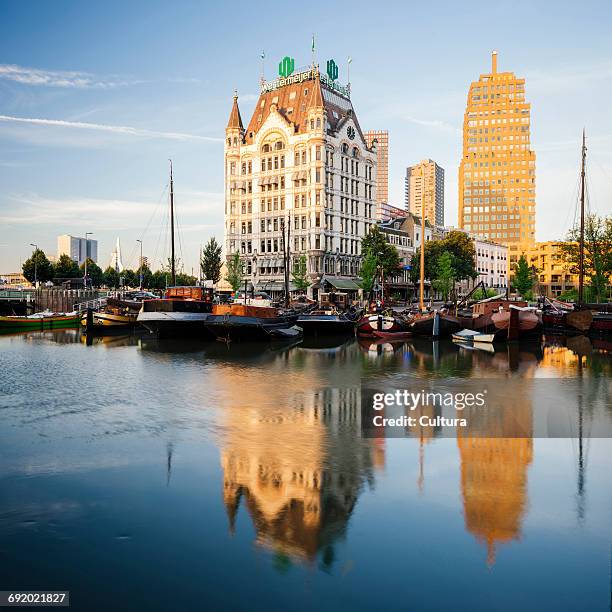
x=95, y=97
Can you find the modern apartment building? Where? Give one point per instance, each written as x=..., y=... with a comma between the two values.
x=77, y=248
x=382, y=163
x=424, y=184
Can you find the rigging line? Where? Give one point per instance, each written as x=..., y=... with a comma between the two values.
x=163, y=227
x=153, y=215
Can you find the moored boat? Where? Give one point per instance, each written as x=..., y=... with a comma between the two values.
x=181, y=312
x=327, y=322
x=231, y=322
x=469, y=335
x=516, y=322
x=389, y=324
x=38, y=321
x=436, y=324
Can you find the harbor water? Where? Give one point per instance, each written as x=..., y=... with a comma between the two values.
x=141, y=474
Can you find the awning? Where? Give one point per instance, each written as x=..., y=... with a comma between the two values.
x=296, y=176
x=263, y=181
x=342, y=283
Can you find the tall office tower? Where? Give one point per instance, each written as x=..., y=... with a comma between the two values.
x=497, y=170
x=382, y=165
x=425, y=183
x=302, y=162
x=77, y=248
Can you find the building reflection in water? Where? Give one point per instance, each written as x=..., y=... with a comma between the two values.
x=298, y=470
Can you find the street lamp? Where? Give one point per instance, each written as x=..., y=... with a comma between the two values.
x=35, y=263
x=86, y=258
x=140, y=266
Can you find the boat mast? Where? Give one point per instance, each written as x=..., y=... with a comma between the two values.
x=422, y=265
x=173, y=264
x=581, y=252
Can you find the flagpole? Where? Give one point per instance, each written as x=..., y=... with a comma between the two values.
x=313, y=50
x=263, y=66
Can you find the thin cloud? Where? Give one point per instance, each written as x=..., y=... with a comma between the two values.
x=433, y=123
x=115, y=129
x=57, y=78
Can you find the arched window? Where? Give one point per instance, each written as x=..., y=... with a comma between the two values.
x=355, y=152
x=229, y=142
x=266, y=148
x=318, y=122
x=312, y=124
x=279, y=145
x=344, y=148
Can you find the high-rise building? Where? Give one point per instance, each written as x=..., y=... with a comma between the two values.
x=302, y=162
x=382, y=162
x=497, y=170
x=77, y=248
x=425, y=183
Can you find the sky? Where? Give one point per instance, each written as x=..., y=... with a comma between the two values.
x=96, y=97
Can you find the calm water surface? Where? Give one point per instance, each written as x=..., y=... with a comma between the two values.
x=155, y=476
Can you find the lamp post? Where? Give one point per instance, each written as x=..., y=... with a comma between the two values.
x=86, y=258
x=35, y=263
x=140, y=266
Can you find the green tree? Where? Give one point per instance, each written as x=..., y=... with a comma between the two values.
x=111, y=278
x=523, y=277
x=386, y=254
x=479, y=294
x=94, y=273
x=159, y=279
x=444, y=280
x=461, y=248
x=130, y=278
x=210, y=263
x=185, y=280
x=597, y=254
x=300, y=274
x=37, y=265
x=234, y=271
x=369, y=267
x=66, y=267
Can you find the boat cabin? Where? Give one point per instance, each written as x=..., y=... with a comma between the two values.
x=334, y=299
x=200, y=294
x=489, y=307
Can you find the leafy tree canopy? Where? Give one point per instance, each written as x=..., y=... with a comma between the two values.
x=211, y=261
x=461, y=248
x=37, y=265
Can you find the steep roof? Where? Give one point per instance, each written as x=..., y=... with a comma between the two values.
x=235, y=120
x=293, y=102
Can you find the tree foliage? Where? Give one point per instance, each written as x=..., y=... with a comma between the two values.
x=210, y=263
x=369, y=266
x=523, y=277
x=444, y=280
x=234, y=271
x=94, y=273
x=461, y=248
x=375, y=244
x=66, y=267
x=597, y=254
x=111, y=278
x=37, y=265
x=299, y=274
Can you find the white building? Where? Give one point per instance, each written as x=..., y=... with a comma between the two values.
x=302, y=161
x=77, y=248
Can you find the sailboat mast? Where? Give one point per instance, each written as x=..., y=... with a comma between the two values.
x=172, y=260
x=581, y=246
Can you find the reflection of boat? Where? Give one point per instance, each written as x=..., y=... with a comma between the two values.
x=434, y=324
x=392, y=336
x=487, y=347
x=244, y=322
x=380, y=323
x=325, y=342
x=38, y=321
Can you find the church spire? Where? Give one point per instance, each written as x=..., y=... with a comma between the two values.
x=235, y=120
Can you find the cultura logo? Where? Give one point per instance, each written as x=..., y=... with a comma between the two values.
x=286, y=66
x=332, y=70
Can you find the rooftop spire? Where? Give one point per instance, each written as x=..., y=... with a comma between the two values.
x=235, y=120
x=494, y=62
x=316, y=100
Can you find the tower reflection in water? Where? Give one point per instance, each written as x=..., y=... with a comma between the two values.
x=295, y=461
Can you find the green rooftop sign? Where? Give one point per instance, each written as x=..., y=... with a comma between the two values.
x=332, y=69
x=286, y=66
